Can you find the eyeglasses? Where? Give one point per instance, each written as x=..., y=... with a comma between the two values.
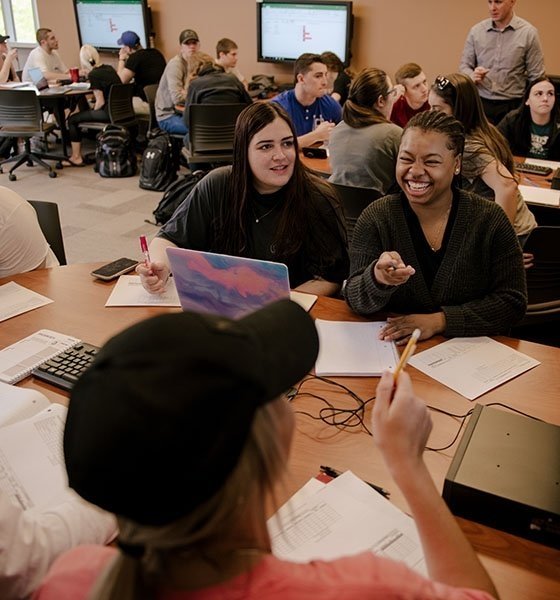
x=442, y=82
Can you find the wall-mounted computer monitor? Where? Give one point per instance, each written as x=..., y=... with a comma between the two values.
x=286, y=29
x=102, y=22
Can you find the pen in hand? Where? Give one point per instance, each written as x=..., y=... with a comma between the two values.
x=145, y=251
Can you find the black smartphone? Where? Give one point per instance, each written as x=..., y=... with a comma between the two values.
x=114, y=269
x=314, y=152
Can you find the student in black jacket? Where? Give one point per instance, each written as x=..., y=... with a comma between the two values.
x=533, y=129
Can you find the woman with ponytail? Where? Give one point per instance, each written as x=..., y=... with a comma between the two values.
x=363, y=147
x=101, y=78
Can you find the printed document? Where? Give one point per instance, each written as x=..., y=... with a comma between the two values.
x=472, y=366
x=538, y=195
x=341, y=518
x=128, y=291
x=16, y=300
x=17, y=403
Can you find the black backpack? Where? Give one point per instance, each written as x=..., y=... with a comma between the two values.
x=174, y=195
x=114, y=154
x=159, y=162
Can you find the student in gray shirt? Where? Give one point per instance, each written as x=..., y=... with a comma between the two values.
x=501, y=55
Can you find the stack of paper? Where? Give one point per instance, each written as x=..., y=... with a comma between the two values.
x=342, y=518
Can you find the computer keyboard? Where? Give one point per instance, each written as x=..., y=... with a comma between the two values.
x=64, y=369
x=532, y=169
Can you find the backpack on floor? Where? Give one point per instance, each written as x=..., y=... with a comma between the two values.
x=114, y=153
x=159, y=162
x=174, y=195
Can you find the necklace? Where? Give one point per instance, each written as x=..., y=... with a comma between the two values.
x=259, y=218
x=433, y=242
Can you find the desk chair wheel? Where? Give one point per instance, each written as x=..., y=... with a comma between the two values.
x=29, y=163
x=52, y=174
x=12, y=177
x=1, y=170
x=58, y=165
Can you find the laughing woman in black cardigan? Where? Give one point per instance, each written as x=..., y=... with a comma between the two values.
x=446, y=260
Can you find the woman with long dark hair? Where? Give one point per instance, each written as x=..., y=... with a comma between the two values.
x=488, y=168
x=267, y=205
x=533, y=129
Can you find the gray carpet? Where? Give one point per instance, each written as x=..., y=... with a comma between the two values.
x=101, y=218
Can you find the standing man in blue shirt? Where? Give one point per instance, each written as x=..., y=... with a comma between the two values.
x=312, y=110
x=501, y=55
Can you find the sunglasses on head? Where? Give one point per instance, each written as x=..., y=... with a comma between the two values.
x=442, y=82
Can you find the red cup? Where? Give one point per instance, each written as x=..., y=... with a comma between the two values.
x=75, y=74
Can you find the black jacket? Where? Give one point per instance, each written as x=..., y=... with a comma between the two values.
x=516, y=128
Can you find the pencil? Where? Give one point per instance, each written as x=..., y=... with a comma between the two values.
x=407, y=353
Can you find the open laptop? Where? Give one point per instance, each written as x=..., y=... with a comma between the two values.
x=42, y=85
x=230, y=286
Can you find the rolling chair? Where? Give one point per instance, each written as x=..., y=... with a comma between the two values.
x=354, y=200
x=211, y=130
x=49, y=221
x=150, y=92
x=21, y=116
x=543, y=278
x=119, y=107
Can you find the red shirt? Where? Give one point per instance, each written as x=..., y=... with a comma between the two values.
x=402, y=112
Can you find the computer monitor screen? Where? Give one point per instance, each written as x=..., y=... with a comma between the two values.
x=285, y=30
x=102, y=22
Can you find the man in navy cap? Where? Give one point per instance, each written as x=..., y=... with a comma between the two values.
x=144, y=65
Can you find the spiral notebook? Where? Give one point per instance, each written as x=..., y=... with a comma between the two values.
x=19, y=359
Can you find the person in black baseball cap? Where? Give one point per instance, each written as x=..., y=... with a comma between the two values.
x=180, y=428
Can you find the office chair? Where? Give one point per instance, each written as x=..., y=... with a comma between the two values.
x=211, y=129
x=150, y=92
x=543, y=278
x=354, y=200
x=119, y=107
x=21, y=116
x=49, y=221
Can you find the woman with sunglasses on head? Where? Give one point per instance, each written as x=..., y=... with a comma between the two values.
x=267, y=205
x=533, y=129
x=182, y=429
x=446, y=260
x=363, y=147
x=488, y=168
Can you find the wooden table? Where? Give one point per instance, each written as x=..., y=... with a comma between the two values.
x=520, y=569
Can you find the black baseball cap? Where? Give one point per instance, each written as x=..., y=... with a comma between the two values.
x=158, y=422
x=3, y=38
x=188, y=35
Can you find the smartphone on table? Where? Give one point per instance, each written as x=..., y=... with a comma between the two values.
x=114, y=269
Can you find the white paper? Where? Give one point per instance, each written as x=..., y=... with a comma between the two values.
x=539, y=195
x=31, y=459
x=305, y=300
x=344, y=517
x=128, y=291
x=472, y=366
x=543, y=163
x=347, y=348
x=17, y=403
x=16, y=300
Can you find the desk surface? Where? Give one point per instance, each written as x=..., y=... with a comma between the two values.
x=521, y=569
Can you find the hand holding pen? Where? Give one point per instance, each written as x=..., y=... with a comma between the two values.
x=153, y=275
x=389, y=269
